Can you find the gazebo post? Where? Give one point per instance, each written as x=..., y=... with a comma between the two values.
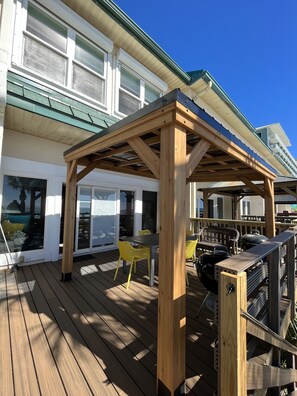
x=69, y=221
x=172, y=276
x=269, y=207
x=206, y=195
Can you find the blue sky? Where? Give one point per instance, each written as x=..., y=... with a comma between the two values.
x=249, y=47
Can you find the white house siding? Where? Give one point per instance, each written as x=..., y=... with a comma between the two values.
x=55, y=175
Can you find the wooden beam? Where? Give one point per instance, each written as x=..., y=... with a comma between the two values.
x=147, y=155
x=253, y=186
x=220, y=158
x=149, y=123
x=206, y=132
x=83, y=173
x=196, y=155
x=234, y=166
x=269, y=207
x=137, y=171
x=121, y=150
x=69, y=221
x=264, y=333
x=262, y=377
x=289, y=191
x=232, y=334
x=172, y=275
x=216, y=176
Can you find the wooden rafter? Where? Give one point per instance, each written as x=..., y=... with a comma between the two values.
x=83, y=173
x=147, y=155
x=252, y=186
x=210, y=134
x=289, y=191
x=196, y=155
x=151, y=122
x=123, y=149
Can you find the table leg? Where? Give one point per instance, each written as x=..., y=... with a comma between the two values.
x=152, y=269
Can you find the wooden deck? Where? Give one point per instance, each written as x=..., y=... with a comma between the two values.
x=91, y=336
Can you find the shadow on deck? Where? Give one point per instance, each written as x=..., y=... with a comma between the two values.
x=91, y=335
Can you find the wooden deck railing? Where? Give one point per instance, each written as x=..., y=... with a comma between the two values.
x=256, y=304
x=243, y=227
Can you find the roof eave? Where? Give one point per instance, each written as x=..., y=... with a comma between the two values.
x=128, y=24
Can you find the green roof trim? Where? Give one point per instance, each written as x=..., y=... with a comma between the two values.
x=206, y=76
x=128, y=24
x=36, y=98
x=188, y=78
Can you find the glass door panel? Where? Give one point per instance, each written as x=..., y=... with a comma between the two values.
x=126, y=213
x=84, y=219
x=104, y=217
x=149, y=210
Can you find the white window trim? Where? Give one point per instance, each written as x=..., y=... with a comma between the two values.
x=80, y=28
x=81, y=25
x=134, y=65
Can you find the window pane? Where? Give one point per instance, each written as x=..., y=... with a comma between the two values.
x=23, y=213
x=45, y=61
x=128, y=104
x=46, y=28
x=89, y=56
x=104, y=217
x=150, y=94
x=88, y=84
x=130, y=82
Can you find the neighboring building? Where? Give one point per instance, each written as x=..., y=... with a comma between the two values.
x=68, y=69
x=276, y=139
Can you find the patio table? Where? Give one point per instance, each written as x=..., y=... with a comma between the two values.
x=151, y=241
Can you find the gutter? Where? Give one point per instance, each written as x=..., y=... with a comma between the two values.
x=207, y=77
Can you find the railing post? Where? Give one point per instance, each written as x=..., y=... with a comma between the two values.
x=274, y=305
x=232, y=335
x=291, y=269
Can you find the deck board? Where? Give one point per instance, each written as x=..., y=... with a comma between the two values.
x=6, y=382
x=92, y=336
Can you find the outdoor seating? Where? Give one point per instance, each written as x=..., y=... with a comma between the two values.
x=219, y=238
x=144, y=232
x=131, y=255
x=190, y=253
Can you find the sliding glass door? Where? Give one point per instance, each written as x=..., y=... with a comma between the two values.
x=103, y=217
x=96, y=217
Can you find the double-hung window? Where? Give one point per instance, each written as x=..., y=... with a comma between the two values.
x=137, y=86
x=88, y=70
x=134, y=92
x=55, y=51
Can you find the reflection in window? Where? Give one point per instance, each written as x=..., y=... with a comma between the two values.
x=104, y=217
x=126, y=213
x=48, y=50
x=134, y=92
x=23, y=213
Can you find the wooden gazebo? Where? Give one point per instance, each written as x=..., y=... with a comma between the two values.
x=176, y=142
x=285, y=192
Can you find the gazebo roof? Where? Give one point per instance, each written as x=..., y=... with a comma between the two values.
x=132, y=145
x=285, y=190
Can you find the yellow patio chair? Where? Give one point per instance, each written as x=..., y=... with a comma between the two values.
x=190, y=253
x=131, y=255
x=144, y=232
